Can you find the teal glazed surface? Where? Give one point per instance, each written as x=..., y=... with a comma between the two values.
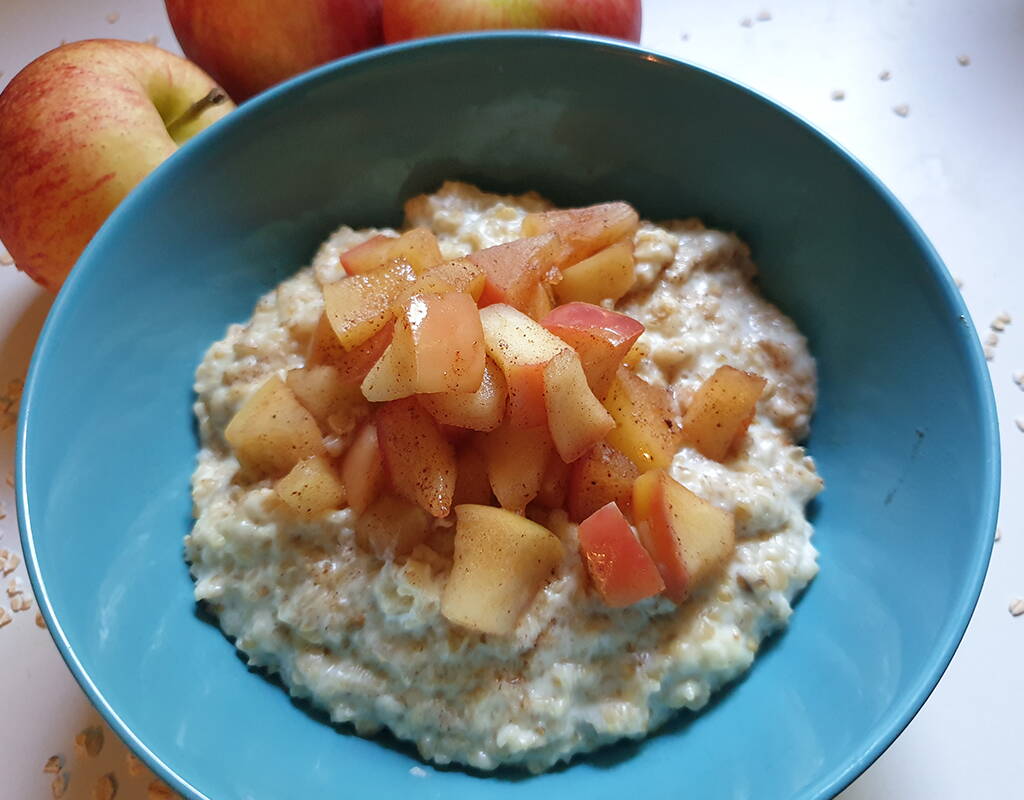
x=905, y=432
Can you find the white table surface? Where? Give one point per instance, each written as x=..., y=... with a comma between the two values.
x=956, y=160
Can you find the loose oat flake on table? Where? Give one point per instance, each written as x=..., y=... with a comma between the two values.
x=515, y=484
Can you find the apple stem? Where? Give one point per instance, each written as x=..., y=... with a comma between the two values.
x=212, y=98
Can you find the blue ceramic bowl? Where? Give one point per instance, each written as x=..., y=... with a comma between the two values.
x=905, y=433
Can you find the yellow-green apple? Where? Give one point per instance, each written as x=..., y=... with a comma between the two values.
x=621, y=570
x=607, y=275
x=482, y=410
x=360, y=305
x=352, y=365
x=249, y=45
x=501, y=561
x=516, y=460
x=585, y=231
x=333, y=402
x=312, y=488
x=459, y=275
x=600, y=337
x=408, y=19
x=576, y=419
x=689, y=538
x=362, y=469
x=603, y=475
x=721, y=411
x=81, y=126
x=646, y=429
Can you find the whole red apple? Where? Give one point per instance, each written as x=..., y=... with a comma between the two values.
x=249, y=45
x=79, y=127
x=410, y=19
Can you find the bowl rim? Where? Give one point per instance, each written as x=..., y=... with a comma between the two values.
x=895, y=720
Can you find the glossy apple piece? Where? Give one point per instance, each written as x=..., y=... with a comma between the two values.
x=391, y=527
x=621, y=570
x=359, y=306
x=272, y=431
x=460, y=275
x=326, y=395
x=517, y=459
x=482, y=410
x=514, y=269
x=417, y=457
x=576, y=419
x=607, y=275
x=541, y=302
x=521, y=347
x=312, y=488
x=721, y=411
x=689, y=539
x=587, y=230
x=352, y=365
x=603, y=475
x=501, y=561
x=645, y=427
x=362, y=469
x=554, y=483
x=471, y=482
x=602, y=338
x=418, y=248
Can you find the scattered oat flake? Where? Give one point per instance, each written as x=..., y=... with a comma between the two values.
x=158, y=790
x=764, y=15
x=838, y=94
x=963, y=60
x=1017, y=607
x=990, y=354
x=14, y=586
x=884, y=75
x=10, y=400
x=3, y=510
x=10, y=479
x=1019, y=422
x=418, y=772
x=5, y=257
x=5, y=618
x=40, y=622
x=999, y=534
x=1018, y=378
x=54, y=764
x=89, y=742
x=959, y=283
x=113, y=17
x=9, y=561
x=59, y=785
x=20, y=603
x=105, y=788
x=746, y=22
x=901, y=110
x=991, y=340
x=134, y=764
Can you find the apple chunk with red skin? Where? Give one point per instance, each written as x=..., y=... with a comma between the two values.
x=419, y=460
x=602, y=338
x=689, y=539
x=515, y=269
x=622, y=571
x=81, y=126
x=501, y=561
x=721, y=411
x=418, y=248
x=587, y=230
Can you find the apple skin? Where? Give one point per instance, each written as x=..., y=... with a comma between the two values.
x=250, y=45
x=410, y=19
x=79, y=127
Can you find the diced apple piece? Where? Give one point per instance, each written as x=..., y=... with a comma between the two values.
x=554, y=484
x=419, y=460
x=359, y=306
x=460, y=275
x=362, y=469
x=521, y=347
x=576, y=418
x=515, y=268
x=622, y=571
x=517, y=459
x=585, y=230
x=312, y=488
x=721, y=412
x=602, y=338
x=482, y=410
x=272, y=431
x=645, y=430
x=352, y=365
x=391, y=527
x=501, y=561
x=688, y=538
x=417, y=248
x=607, y=275
x=471, y=483
x=541, y=301
x=603, y=475
x=326, y=395
x=394, y=375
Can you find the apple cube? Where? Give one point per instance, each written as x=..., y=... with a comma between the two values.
x=721, y=411
x=554, y=484
x=359, y=306
x=515, y=268
x=327, y=396
x=645, y=426
x=621, y=570
x=521, y=347
x=585, y=231
x=272, y=431
x=576, y=419
x=460, y=275
x=603, y=475
x=501, y=561
x=311, y=488
x=352, y=365
x=362, y=469
x=471, y=482
x=689, y=539
x=417, y=248
x=392, y=527
x=418, y=459
x=517, y=459
x=541, y=301
x=482, y=410
x=607, y=275
x=602, y=338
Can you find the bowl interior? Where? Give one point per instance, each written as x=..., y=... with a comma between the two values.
x=904, y=434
